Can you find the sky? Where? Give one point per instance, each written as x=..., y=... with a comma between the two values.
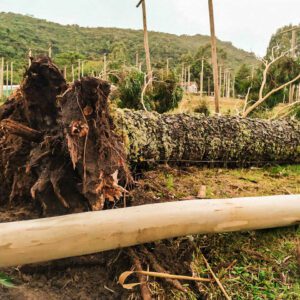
x=248, y=24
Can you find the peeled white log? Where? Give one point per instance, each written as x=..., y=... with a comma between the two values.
x=85, y=233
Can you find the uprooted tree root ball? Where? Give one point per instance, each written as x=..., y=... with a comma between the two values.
x=58, y=144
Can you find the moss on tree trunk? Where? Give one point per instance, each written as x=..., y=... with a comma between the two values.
x=195, y=138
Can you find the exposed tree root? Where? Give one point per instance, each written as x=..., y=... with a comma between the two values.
x=145, y=292
x=60, y=151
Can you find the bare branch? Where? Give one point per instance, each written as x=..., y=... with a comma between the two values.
x=260, y=101
x=147, y=83
x=140, y=2
x=268, y=65
x=247, y=98
x=283, y=109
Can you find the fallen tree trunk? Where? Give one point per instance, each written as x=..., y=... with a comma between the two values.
x=60, y=237
x=195, y=138
x=61, y=146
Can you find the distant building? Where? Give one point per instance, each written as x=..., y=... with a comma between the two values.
x=190, y=88
x=8, y=89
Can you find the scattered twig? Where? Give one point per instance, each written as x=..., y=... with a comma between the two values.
x=145, y=292
x=216, y=278
x=110, y=290
x=257, y=255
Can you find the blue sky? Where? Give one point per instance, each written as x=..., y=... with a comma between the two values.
x=248, y=24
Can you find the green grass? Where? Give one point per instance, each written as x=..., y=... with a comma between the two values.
x=6, y=281
x=286, y=170
x=251, y=265
x=263, y=264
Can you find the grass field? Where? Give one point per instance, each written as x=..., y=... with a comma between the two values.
x=191, y=101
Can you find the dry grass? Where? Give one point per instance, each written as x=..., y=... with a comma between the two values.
x=191, y=101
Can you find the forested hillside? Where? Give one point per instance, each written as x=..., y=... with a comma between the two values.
x=18, y=33
x=283, y=37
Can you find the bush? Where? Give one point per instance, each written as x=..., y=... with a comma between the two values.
x=164, y=95
x=203, y=108
x=130, y=84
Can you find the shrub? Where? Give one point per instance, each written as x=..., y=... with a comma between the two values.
x=164, y=95
x=203, y=108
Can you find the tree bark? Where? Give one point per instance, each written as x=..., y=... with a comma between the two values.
x=21, y=130
x=195, y=138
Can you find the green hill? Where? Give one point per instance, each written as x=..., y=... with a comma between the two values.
x=18, y=33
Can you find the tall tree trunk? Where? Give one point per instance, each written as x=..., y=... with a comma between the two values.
x=195, y=138
x=146, y=42
x=201, y=78
x=214, y=55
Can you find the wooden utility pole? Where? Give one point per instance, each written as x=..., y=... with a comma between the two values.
x=214, y=55
x=201, y=78
x=146, y=40
x=11, y=75
x=1, y=77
